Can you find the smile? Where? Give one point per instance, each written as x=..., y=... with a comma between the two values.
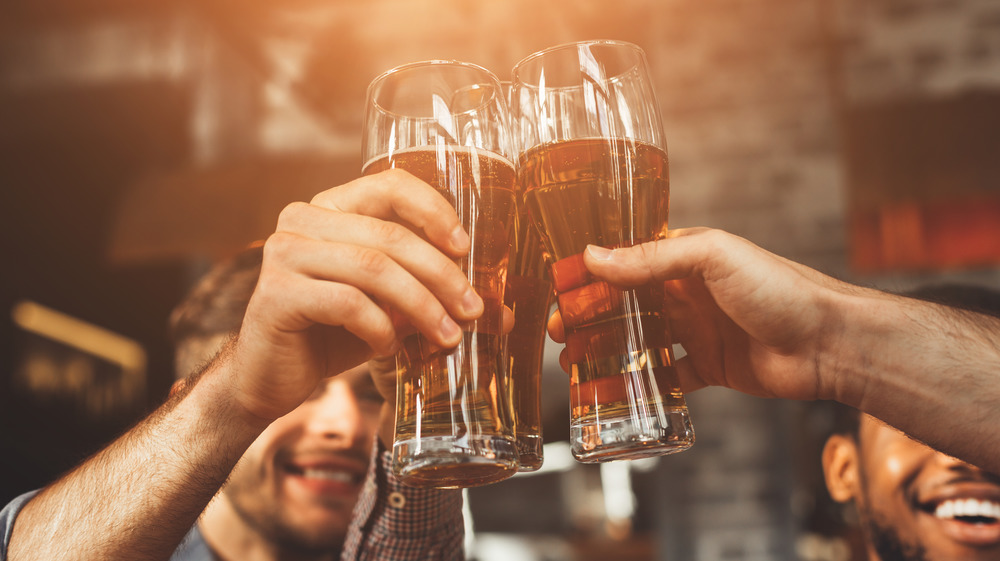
x=339, y=476
x=971, y=511
x=326, y=474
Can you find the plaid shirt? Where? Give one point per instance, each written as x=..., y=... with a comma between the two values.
x=393, y=522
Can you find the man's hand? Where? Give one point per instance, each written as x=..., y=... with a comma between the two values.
x=764, y=325
x=340, y=276
x=748, y=319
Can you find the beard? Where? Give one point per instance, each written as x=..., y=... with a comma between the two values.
x=269, y=523
x=885, y=540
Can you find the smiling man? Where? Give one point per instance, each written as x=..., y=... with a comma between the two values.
x=293, y=493
x=915, y=503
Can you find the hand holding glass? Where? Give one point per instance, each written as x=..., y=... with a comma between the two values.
x=593, y=166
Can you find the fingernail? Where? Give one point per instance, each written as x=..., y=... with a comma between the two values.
x=472, y=304
x=450, y=331
x=599, y=253
x=459, y=239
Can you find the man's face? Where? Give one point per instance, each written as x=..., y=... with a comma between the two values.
x=298, y=483
x=914, y=502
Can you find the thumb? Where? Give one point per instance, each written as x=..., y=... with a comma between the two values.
x=674, y=257
x=626, y=266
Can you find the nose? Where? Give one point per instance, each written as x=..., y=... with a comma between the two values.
x=336, y=414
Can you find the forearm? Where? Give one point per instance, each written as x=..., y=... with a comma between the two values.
x=931, y=371
x=138, y=497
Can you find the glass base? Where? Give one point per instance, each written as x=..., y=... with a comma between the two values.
x=606, y=439
x=449, y=462
x=530, y=452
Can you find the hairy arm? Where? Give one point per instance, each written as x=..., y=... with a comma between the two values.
x=761, y=324
x=929, y=370
x=330, y=273
x=137, y=498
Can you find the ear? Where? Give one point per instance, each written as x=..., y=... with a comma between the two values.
x=177, y=386
x=840, y=467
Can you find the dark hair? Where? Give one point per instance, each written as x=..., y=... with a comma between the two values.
x=218, y=301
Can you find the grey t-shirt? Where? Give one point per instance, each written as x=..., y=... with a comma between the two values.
x=7, y=516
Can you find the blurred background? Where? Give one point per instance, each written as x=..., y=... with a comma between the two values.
x=140, y=141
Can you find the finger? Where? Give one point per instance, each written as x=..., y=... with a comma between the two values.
x=370, y=272
x=396, y=193
x=687, y=375
x=564, y=360
x=679, y=255
x=306, y=302
x=382, y=366
x=556, y=329
x=508, y=319
x=439, y=273
x=383, y=372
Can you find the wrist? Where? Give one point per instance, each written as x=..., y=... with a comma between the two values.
x=215, y=394
x=856, y=322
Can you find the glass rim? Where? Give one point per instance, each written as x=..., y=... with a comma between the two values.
x=515, y=71
x=421, y=63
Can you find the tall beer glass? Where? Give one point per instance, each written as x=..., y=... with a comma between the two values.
x=446, y=122
x=529, y=296
x=593, y=166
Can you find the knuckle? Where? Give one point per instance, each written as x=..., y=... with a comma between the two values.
x=292, y=213
x=344, y=299
x=452, y=274
x=276, y=246
x=714, y=237
x=371, y=261
x=390, y=233
x=398, y=175
x=426, y=302
x=382, y=333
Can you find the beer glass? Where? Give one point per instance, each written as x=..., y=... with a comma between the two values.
x=529, y=296
x=593, y=167
x=446, y=122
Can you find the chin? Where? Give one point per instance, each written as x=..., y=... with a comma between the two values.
x=313, y=535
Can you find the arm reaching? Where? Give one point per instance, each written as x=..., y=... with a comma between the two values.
x=138, y=497
x=767, y=326
x=330, y=272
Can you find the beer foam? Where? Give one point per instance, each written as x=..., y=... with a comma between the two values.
x=472, y=150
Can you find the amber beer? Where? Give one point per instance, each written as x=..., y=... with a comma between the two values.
x=528, y=295
x=624, y=398
x=431, y=380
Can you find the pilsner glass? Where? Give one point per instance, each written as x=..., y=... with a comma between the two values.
x=593, y=166
x=528, y=295
x=446, y=122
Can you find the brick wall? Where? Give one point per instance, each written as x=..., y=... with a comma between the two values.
x=753, y=94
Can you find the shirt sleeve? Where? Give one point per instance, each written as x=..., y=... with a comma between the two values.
x=393, y=522
x=7, y=517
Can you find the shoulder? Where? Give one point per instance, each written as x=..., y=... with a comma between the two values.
x=193, y=548
x=7, y=516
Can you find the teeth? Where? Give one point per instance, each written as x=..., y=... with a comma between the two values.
x=968, y=507
x=339, y=476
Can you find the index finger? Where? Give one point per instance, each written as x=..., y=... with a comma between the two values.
x=396, y=193
x=555, y=327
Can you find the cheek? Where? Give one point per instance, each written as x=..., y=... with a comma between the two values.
x=894, y=467
x=259, y=457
